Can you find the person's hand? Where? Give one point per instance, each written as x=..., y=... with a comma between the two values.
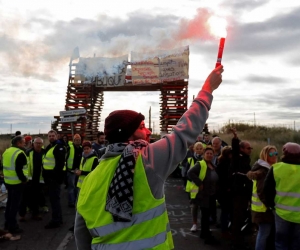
x=233, y=130
x=78, y=172
x=251, y=175
x=214, y=79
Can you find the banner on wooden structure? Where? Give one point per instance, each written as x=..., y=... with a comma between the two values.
x=160, y=66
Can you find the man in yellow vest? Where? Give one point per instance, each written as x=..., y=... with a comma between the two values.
x=74, y=156
x=121, y=203
x=14, y=170
x=282, y=191
x=36, y=180
x=53, y=174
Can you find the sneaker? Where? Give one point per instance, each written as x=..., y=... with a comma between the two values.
x=52, y=224
x=194, y=228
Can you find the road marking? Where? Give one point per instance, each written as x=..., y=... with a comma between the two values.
x=65, y=241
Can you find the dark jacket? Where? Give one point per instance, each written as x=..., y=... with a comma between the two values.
x=240, y=166
x=57, y=174
x=77, y=156
x=37, y=164
x=187, y=165
x=259, y=172
x=203, y=195
x=223, y=173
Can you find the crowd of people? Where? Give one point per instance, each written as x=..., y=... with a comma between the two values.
x=118, y=189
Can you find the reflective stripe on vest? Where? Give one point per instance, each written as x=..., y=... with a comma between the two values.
x=87, y=166
x=149, y=227
x=9, y=165
x=194, y=188
x=256, y=204
x=287, y=202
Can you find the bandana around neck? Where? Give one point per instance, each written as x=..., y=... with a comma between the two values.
x=119, y=201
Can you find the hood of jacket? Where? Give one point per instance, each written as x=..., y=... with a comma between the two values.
x=260, y=163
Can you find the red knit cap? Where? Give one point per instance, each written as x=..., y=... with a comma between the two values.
x=86, y=144
x=27, y=138
x=121, y=124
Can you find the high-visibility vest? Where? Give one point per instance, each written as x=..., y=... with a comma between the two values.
x=287, y=199
x=256, y=204
x=49, y=160
x=189, y=184
x=86, y=166
x=191, y=187
x=9, y=165
x=149, y=227
x=31, y=167
x=70, y=158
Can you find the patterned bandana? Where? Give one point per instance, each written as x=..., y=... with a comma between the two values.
x=119, y=201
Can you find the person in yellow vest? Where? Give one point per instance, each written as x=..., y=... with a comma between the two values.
x=14, y=171
x=203, y=191
x=53, y=174
x=191, y=161
x=73, y=159
x=282, y=191
x=262, y=216
x=36, y=180
x=121, y=203
x=89, y=162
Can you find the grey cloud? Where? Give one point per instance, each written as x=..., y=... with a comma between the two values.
x=257, y=79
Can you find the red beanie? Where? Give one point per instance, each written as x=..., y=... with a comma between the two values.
x=121, y=124
x=27, y=138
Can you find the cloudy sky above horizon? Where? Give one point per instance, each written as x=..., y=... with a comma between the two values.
x=261, y=55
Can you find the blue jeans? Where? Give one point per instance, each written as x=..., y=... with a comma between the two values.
x=264, y=232
x=14, y=196
x=287, y=234
x=72, y=189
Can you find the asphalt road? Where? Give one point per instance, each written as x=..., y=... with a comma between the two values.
x=35, y=237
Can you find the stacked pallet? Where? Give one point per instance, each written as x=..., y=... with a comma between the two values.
x=173, y=102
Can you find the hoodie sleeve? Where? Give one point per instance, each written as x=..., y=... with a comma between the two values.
x=269, y=189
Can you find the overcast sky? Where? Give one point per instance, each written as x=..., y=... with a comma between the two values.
x=261, y=55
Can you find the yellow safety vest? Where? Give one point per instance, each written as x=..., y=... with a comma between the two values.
x=87, y=166
x=49, y=160
x=31, y=167
x=149, y=227
x=189, y=184
x=256, y=204
x=9, y=165
x=287, y=199
x=70, y=158
x=191, y=187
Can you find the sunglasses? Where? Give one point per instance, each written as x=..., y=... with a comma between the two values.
x=249, y=148
x=273, y=154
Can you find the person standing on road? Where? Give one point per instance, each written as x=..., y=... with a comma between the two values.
x=74, y=156
x=36, y=180
x=282, y=191
x=14, y=167
x=203, y=191
x=241, y=188
x=100, y=144
x=53, y=173
x=121, y=203
x=89, y=162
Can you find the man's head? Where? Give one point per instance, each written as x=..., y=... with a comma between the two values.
x=52, y=136
x=77, y=140
x=28, y=141
x=245, y=148
x=101, y=138
x=291, y=153
x=87, y=147
x=18, y=133
x=125, y=125
x=18, y=141
x=206, y=137
x=216, y=144
x=38, y=144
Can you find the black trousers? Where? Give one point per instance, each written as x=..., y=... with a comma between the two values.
x=54, y=196
x=205, y=214
x=14, y=196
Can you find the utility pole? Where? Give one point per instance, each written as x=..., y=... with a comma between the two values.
x=294, y=125
x=153, y=128
x=254, y=120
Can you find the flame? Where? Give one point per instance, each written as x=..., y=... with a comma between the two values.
x=217, y=26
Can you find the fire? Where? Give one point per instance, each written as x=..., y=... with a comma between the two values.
x=217, y=26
